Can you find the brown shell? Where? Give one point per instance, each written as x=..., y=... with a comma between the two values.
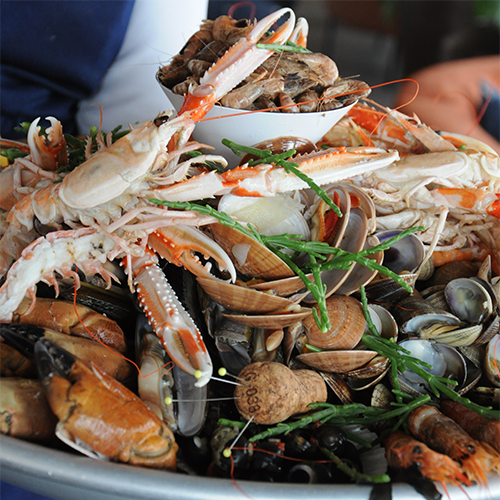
x=260, y=262
x=337, y=361
x=241, y=298
x=347, y=320
x=271, y=320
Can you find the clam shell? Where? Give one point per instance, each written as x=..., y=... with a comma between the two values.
x=284, y=287
x=405, y=255
x=360, y=384
x=240, y=298
x=361, y=275
x=250, y=258
x=469, y=300
x=270, y=320
x=492, y=361
x=353, y=241
x=342, y=199
x=491, y=329
x=452, y=270
x=452, y=336
x=337, y=361
x=338, y=386
x=386, y=291
x=347, y=324
x=359, y=198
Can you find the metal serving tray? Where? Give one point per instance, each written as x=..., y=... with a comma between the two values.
x=64, y=476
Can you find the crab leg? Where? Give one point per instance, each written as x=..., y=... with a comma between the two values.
x=171, y=322
x=323, y=167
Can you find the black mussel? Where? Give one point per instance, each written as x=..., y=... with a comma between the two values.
x=331, y=438
x=309, y=473
x=267, y=462
x=300, y=444
x=239, y=457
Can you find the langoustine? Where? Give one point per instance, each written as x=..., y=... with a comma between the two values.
x=403, y=451
x=442, y=434
x=478, y=426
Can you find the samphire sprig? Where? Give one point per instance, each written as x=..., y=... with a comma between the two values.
x=317, y=251
x=401, y=360
x=354, y=413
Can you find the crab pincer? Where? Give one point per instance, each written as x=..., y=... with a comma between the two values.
x=98, y=415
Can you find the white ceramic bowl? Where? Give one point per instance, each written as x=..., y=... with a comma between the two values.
x=250, y=128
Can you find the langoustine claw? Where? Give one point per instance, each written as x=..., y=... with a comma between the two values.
x=96, y=410
x=178, y=332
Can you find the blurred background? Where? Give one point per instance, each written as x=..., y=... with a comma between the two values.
x=385, y=40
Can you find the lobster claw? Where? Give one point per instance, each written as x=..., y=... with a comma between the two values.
x=96, y=412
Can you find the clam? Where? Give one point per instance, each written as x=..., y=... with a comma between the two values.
x=414, y=315
x=337, y=361
x=404, y=256
x=361, y=275
x=353, y=241
x=492, y=361
x=359, y=198
x=347, y=324
x=242, y=298
x=469, y=299
x=276, y=320
x=445, y=361
x=326, y=225
x=251, y=258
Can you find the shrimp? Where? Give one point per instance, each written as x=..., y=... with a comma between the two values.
x=403, y=451
x=442, y=434
x=478, y=426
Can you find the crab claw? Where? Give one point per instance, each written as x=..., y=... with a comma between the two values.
x=171, y=322
x=236, y=64
x=99, y=415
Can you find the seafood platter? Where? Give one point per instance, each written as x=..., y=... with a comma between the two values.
x=311, y=316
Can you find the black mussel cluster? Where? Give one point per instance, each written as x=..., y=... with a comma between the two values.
x=296, y=457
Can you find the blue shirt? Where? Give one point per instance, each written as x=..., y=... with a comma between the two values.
x=55, y=53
